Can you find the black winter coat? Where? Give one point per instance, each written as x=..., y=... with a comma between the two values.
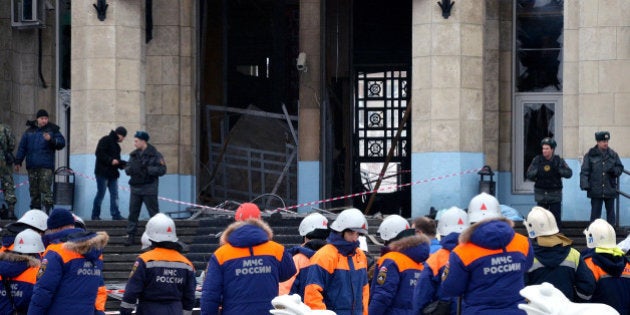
x=144, y=168
x=548, y=177
x=107, y=150
x=599, y=173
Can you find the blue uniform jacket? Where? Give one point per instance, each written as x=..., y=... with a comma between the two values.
x=487, y=268
x=398, y=271
x=70, y=275
x=563, y=267
x=21, y=270
x=298, y=284
x=163, y=281
x=612, y=278
x=243, y=274
x=428, y=288
x=337, y=279
x=38, y=152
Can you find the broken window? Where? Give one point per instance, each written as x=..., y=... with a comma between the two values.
x=539, y=40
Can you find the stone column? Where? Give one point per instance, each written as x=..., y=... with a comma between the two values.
x=108, y=87
x=309, y=114
x=447, y=99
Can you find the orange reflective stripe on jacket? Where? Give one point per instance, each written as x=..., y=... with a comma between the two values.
x=29, y=275
x=438, y=260
x=469, y=252
x=402, y=261
x=65, y=254
x=101, y=299
x=301, y=261
x=164, y=254
x=270, y=248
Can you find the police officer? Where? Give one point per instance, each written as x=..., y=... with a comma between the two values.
x=70, y=277
x=243, y=274
x=555, y=261
x=338, y=279
x=162, y=279
x=7, y=145
x=487, y=268
x=144, y=168
x=18, y=269
x=609, y=266
x=314, y=231
x=547, y=170
x=399, y=269
x=600, y=169
x=451, y=224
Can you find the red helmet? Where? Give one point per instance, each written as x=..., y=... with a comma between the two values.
x=246, y=211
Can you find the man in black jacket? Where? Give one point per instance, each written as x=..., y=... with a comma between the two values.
x=145, y=165
x=600, y=169
x=106, y=170
x=547, y=170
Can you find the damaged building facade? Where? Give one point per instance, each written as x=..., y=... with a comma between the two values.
x=306, y=101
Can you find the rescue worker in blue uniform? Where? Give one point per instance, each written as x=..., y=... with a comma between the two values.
x=243, y=274
x=487, y=268
x=451, y=224
x=314, y=230
x=398, y=270
x=162, y=279
x=18, y=269
x=609, y=266
x=337, y=279
x=70, y=278
x=555, y=261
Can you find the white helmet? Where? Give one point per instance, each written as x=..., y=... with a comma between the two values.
x=483, y=206
x=35, y=218
x=600, y=234
x=452, y=220
x=145, y=241
x=312, y=222
x=392, y=226
x=28, y=242
x=161, y=228
x=352, y=219
x=540, y=222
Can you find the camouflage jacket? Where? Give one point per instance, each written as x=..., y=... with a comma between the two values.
x=7, y=143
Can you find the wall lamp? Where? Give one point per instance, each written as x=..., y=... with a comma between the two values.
x=446, y=6
x=101, y=9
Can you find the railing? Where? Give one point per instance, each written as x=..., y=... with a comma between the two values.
x=617, y=202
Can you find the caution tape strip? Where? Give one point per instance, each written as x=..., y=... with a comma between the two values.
x=306, y=204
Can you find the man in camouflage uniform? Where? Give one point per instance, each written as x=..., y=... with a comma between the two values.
x=38, y=145
x=7, y=144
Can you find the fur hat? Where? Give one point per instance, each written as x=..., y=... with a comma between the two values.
x=602, y=136
x=142, y=135
x=41, y=113
x=59, y=217
x=548, y=141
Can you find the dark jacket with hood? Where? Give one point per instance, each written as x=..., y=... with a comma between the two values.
x=71, y=274
x=301, y=256
x=144, y=168
x=547, y=175
x=612, y=277
x=243, y=274
x=38, y=152
x=487, y=268
x=107, y=150
x=392, y=288
x=600, y=170
x=21, y=271
x=564, y=267
x=428, y=288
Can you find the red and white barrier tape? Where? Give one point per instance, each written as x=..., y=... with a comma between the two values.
x=306, y=204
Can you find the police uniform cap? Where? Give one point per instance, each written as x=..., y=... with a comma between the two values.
x=548, y=141
x=602, y=136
